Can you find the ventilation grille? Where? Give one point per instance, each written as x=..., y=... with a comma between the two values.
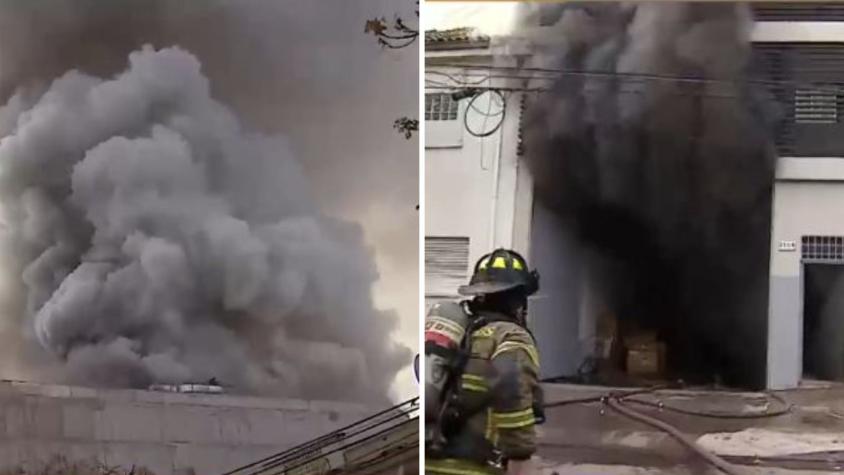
x=798, y=11
x=446, y=265
x=822, y=248
x=812, y=106
x=805, y=84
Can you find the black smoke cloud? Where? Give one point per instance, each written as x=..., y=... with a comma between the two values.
x=154, y=233
x=667, y=182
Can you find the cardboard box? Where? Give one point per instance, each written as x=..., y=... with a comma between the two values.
x=641, y=339
x=646, y=359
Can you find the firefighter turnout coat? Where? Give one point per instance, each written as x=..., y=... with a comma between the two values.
x=498, y=388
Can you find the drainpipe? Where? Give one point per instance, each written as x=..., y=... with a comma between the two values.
x=496, y=174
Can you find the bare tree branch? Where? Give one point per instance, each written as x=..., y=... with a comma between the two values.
x=397, y=35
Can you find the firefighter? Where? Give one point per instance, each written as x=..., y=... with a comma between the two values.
x=490, y=410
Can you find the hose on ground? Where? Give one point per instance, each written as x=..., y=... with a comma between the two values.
x=627, y=396
x=602, y=398
x=714, y=460
x=784, y=409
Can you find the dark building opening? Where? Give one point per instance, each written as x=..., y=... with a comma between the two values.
x=823, y=322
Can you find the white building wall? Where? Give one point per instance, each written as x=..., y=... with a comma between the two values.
x=462, y=200
x=808, y=200
x=475, y=185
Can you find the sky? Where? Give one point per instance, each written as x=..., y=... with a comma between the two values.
x=493, y=18
x=298, y=68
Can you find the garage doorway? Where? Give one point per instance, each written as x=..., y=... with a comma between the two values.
x=823, y=321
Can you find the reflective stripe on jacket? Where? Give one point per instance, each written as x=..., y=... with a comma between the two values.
x=497, y=387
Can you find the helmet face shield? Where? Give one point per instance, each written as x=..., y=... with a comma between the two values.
x=499, y=271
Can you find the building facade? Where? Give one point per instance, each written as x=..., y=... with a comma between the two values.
x=479, y=194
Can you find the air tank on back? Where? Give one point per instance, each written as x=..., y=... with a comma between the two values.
x=445, y=326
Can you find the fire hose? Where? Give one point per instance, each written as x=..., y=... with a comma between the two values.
x=710, y=457
x=615, y=400
x=784, y=409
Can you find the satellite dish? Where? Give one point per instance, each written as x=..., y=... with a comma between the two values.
x=416, y=367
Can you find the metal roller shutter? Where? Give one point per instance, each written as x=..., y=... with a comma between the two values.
x=806, y=83
x=798, y=11
x=446, y=265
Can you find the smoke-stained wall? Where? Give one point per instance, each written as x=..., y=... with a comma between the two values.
x=667, y=182
x=155, y=233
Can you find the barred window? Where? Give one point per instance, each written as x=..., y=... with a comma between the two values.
x=440, y=106
x=822, y=248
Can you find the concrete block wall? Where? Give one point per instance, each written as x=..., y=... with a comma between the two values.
x=168, y=433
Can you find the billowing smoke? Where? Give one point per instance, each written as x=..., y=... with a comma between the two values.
x=666, y=181
x=151, y=236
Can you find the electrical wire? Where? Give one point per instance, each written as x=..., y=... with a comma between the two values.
x=402, y=446
x=381, y=433
x=262, y=465
x=321, y=455
x=834, y=86
x=484, y=78
x=487, y=115
x=539, y=90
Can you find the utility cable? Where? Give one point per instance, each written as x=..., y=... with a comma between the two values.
x=405, y=408
x=356, y=443
x=502, y=114
x=320, y=455
x=646, y=76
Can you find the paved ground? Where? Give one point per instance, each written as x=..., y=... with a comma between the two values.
x=588, y=469
x=593, y=439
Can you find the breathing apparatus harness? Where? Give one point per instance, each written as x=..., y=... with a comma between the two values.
x=500, y=271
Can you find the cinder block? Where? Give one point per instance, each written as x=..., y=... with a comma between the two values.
x=240, y=456
x=13, y=414
x=77, y=393
x=78, y=421
x=159, y=458
x=118, y=422
x=48, y=418
x=342, y=407
x=163, y=431
x=263, y=427
x=203, y=459
x=191, y=424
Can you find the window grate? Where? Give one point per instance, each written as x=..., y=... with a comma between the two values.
x=822, y=248
x=815, y=106
x=440, y=106
x=446, y=265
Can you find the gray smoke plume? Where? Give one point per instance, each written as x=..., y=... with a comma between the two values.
x=667, y=181
x=151, y=236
